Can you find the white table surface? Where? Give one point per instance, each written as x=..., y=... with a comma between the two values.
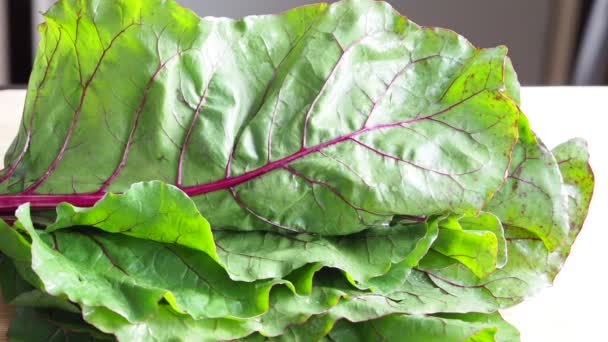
x=574, y=309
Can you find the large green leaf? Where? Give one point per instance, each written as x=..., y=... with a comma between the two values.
x=477, y=242
x=362, y=256
x=443, y=284
x=11, y=284
x=573, y=159
x=533, y=198
x=438, y=285
x=35, y=298
x=289, y=318
x=19, y=284
x=448, y=327
x=332, y=300
x=454, y=328
x=163, y=213
x=130, y=276
x=125, y=277
x=171, y=218
x=530, y=267
x=101, y=258
x=318, y=119
x=16, y=248
x=399, y=272
x=285, y=311
x=13, y=244
x=151, y=211
x=390, y=149
x=52, y=326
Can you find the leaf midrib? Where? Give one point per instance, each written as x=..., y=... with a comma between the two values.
x=9, y=202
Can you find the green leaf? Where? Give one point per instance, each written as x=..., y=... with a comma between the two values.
x=11, y=284
x=456, y=328
x=301, y=317
x=399, y=272
x=35, y=298
x=285, y=311
x=74, y=261
x=439, y=284
x=425, y=290
x=476, y=242
x=443, y=284
x=130, y=276
x=19, y=284
x=126, y=277
x=447, y=327
x=52, y=326
x=362, y=256
x=331, y=299
x=579, y=182
x=532, y=197
x=573, y=160
x=152, y=211
x=530, y=267
x=488, y=222
x=164, y=325
x=316, y=120
x=367, y=179
x=162, y=213
x=314, y=329
x=504, y=330
x=15, y=246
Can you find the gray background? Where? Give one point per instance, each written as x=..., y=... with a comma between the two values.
x=3, y=47
x=544, y=36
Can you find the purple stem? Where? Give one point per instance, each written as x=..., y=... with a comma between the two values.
x=9, y=203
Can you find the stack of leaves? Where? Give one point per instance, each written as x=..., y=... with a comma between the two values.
x=361, y=178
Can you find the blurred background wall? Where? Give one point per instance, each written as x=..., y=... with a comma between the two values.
x=485, y=23
x=4, y=77
x=550, y=41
